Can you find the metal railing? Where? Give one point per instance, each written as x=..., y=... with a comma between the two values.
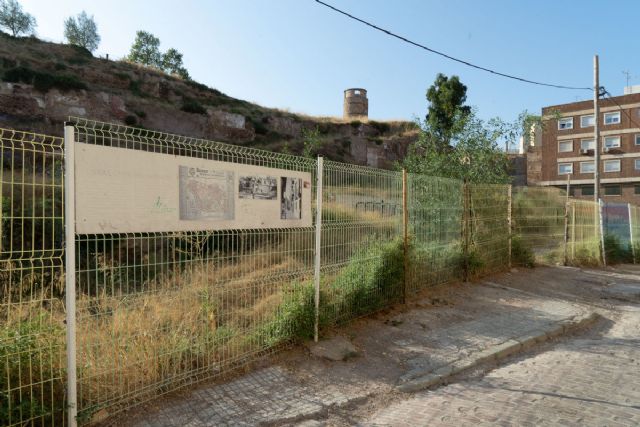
x=156, y=311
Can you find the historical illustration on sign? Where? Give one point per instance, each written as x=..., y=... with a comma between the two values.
x=258, y=187
x=291, y=199
x=206, y=194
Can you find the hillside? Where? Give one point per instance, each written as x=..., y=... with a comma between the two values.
x=43, y=83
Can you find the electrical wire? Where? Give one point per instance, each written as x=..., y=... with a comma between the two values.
x=469, y=64
x=626, y=113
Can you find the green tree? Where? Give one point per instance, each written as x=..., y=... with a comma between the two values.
x=146, y=50
x=446, y=98
x=14, y=19
x=82, y=31
x=474, y=152
x=172, y=63
x=311, y=142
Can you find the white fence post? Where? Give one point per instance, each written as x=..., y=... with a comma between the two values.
x=70, y=271
x=318, y=247
x=510, y=221
x=633, y=248
x=602, y=248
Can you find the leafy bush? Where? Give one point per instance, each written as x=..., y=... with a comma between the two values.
x=130, y=120
x=615, y=251
x=259, y=127
x=472, y=261
x=28, y=353
x=81, y=51
x=135, y=87
x=355, y=123
x=521, y=253
x=193, y=106
x=43, y=82
x=295, y=317
x=373, y=279
x=381, y=127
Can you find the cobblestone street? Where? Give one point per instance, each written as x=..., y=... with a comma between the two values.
x=584, y=381
x=589, y=377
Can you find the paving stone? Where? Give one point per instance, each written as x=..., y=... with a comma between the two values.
x=588, y=382
x=336, y=348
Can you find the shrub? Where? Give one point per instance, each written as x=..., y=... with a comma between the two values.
x=373, y=279
x=259, y=127
x=521, y=253
x=380, y=126
x=81, y=51
x=615, y=251
x=43, y=82
x=130, y=120
x=295, y=317
x=355, y=123
x=193, y=106
x=135, y=87
x=472, y=262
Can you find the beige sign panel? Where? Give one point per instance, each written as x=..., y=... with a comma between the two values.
x=130, y=191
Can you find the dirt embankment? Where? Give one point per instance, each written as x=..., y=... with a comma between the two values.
x=44, y=83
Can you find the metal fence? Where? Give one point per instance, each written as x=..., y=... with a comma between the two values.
x=156, y=311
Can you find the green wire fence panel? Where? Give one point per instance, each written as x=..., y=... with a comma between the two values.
x=584, y=233
x=362, y=248
x=488, y=228
x=32, y=334
x=435, y=208
x=634, y=227
x=157, y=311
x=539, y=221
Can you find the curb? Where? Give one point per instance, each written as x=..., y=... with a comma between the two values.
x=498, y=352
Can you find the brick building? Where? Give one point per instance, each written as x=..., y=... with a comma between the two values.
x=566, y=149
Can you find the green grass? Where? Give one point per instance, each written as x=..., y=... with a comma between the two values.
x=28, y=355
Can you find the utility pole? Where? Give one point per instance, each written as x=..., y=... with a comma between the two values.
x=596, y=129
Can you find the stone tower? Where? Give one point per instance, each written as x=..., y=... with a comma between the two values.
x=356, y=104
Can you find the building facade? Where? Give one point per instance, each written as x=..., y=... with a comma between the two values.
x=566, y=149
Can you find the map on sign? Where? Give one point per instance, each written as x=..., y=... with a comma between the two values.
x=206, y=194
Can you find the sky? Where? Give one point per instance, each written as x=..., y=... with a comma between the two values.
x=300, y=56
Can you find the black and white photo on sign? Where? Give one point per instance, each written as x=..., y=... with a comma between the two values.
x=291, y=198
x=258, y=187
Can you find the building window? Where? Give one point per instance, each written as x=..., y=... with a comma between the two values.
x=638, y=139
x=587, y=167
x=613, y=190
x=611, y=142
x=612, y=118
x=612, y=165
x=637, y=164
x=636, y=189
x=565, y=146
x=566, y=123
x=587, y=190
x=587, y=121
x=588, y=144
x=565, y=168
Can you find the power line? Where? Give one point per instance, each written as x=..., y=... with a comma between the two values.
x=626, y=113
x=469, y=64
